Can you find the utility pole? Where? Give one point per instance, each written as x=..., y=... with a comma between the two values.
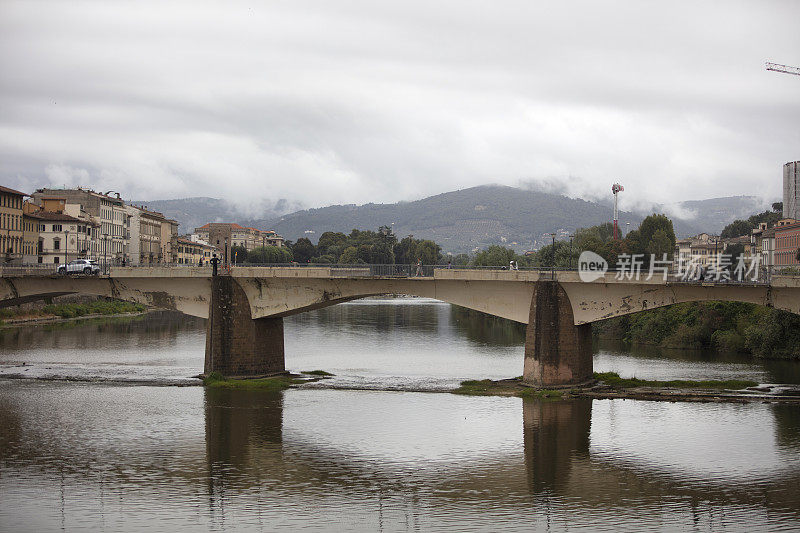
x=786, y=69
x=615, y=190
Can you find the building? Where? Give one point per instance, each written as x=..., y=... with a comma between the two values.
x=30, y=238
x=193, y=253
x=150, y=236
x=791, y=190
x=701, y=250
x=11, y=229
x=86, y=233
x=169, y=240
x=787, y=243
x=105, y=210
x=225, y=235
x=63, y=237
x=744, y=241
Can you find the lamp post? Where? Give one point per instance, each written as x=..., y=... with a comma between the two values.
x=571, y=250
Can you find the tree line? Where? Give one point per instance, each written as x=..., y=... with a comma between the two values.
x=359, y=247
x=654, y=236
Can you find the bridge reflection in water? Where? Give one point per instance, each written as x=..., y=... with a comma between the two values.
x=553, y=478
x=110, y=456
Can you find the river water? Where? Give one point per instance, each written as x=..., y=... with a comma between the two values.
x=113, y=443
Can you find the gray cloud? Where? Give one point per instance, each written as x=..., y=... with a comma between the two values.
x=352, y=102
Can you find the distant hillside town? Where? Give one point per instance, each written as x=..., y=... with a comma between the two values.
x=55, y=226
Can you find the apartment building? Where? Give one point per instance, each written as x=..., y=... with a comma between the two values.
x=702, y=250
x=105, y=210
x=63, y=237
x=227, y=234
x=11, y=229
x=169, y=240
x=150, y=236
x=193, y=253
x=787, y=243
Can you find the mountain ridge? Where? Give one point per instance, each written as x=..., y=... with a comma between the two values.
x=461, y=220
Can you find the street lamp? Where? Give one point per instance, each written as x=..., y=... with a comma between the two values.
x=571, y=250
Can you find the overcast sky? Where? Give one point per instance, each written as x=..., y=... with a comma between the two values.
x=369, y=101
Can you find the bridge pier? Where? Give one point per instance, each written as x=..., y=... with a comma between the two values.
x=557, y=352
x=237, y=345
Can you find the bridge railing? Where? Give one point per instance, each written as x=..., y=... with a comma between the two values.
x=764, y=276
x=32, y=269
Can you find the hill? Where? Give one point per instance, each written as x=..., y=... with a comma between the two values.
x=459, y=221
x=194, y=212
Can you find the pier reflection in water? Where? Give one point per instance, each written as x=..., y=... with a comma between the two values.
x=133, y=457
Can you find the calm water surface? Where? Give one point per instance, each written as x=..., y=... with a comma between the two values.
x=138, y=456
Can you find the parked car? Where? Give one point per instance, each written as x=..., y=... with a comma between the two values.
x=79, y=266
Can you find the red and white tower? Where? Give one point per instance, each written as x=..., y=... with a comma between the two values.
x=614, y=190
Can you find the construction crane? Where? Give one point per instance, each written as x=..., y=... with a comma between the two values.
x=615, y=189
x=783, y=68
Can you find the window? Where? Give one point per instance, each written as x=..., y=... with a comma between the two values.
x=56, y=227
x=56, y=260
x=56, y=244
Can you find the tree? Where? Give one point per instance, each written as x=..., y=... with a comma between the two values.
x=735, y=251
x=428, y=252
x=303, y=250
x=331, y=242
x=270, y=255
x=737, y=228
x=349, y=256
x=661, y=244
x=494, y=256
x=405, y=251
x=238, y=254
x=654, y=236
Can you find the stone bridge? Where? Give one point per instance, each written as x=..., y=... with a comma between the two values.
x=245, y=306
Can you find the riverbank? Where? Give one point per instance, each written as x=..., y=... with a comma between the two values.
x=721, y=326
x=66, y=312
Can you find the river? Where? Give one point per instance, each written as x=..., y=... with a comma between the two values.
x=113, y=442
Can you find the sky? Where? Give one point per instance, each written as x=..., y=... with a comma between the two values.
x=336, y=102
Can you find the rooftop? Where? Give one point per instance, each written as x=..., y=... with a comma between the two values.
x=12, y=191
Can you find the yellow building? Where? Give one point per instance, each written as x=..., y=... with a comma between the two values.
x=193, y=253
x=11, y=227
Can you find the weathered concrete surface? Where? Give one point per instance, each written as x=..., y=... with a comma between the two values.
x=284, y=291
x=237, y=345
x=558, y=353
x=288, y=296
x=607, y=298
x=187, y=294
